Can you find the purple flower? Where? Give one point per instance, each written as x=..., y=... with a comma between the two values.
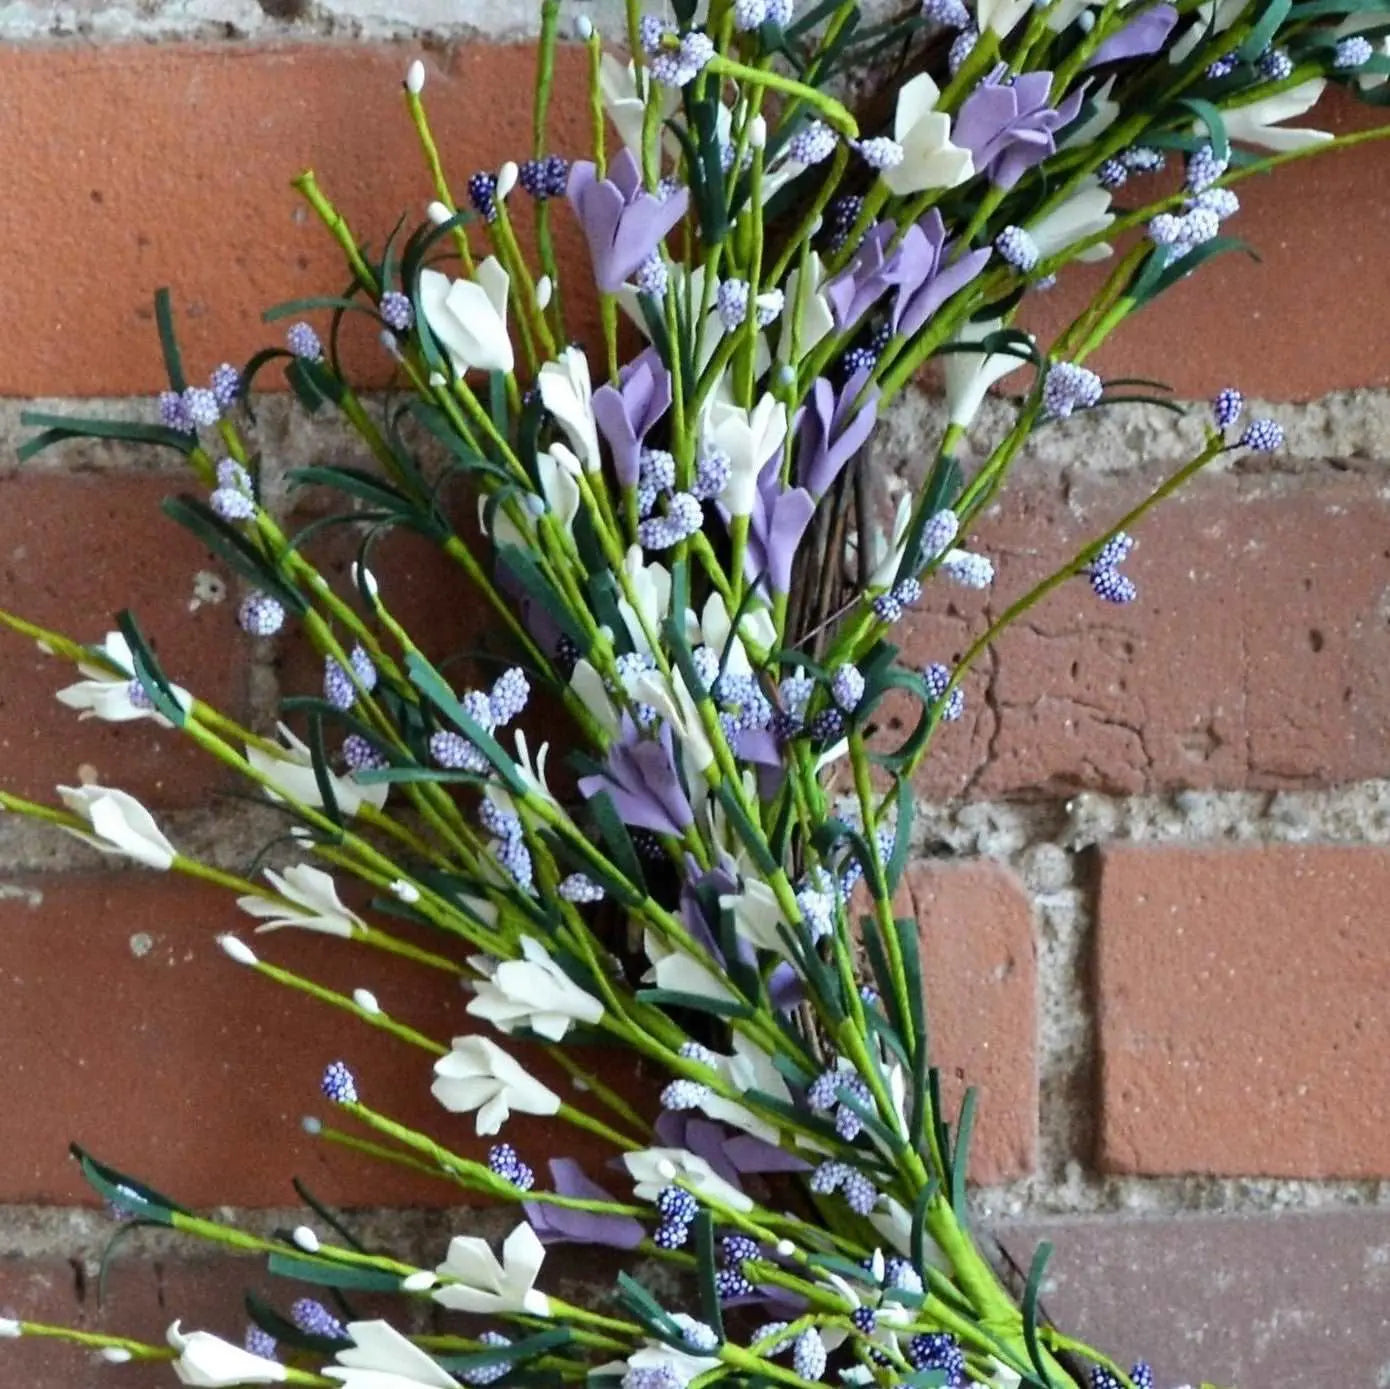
x=776, y=525
x=642, y=779
x=829, y=437
x=925, y=275
x=1009, y=129
x=563, y=1225
x=853, y=292
x=1144, y=34
x=626, y=413
x=622, y=222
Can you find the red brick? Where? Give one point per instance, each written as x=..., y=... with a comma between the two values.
x=1241, y=1010
x=203, y=203
x=1263, y=1301
x=75, y=550
x=980, y=968
x=163, y=1063
x=1255, y=656
x=1310, y=316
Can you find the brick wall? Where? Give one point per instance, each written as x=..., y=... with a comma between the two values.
x=1153, y=862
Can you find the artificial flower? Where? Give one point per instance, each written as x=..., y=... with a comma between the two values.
x=1146, y=33
x=807, y=311
x=654, y=1168
x=533, y=992
x=750, y=437
x=117, y=698
x=1211, y=17
x=556, y=1224
x=1010, y=127
x=646, y=599
x=640, y=777
x=929, y=159
x=749, y=1068
x=209, y=1362
x=477, y=1074
x=567, y=393
x=290, y=772
x=381, y=1358
x=469, y=317
x=1084, y=213
x=119, y=825
x=676, y=971
x=969, y=375
x=313, y=903
x=673, y=1365
x=623, y=223
x=627, y=412
x=482, y=1283
x=1000, y=16
x=1260, y=122
x=625, y=103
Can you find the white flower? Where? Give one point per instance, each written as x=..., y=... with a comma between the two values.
x=1380, y=47
x=558, y=470
x=314, y=892
x=1106, y=112
x=929, y=159
x=212, y=1363
x=9, y=1329
x=1212, y=17
x=532, y=775
x=714, y=629
x=757, y=915
x=1083, y=214
x=292, y=772
x=808, y=308
x=485, y=1285
x=749, y=1068
x=749, y=437
x=680, y=973
x=1000, y=15
x=120, y=825
x=970, y=374
x=103, y=695
x=567, y=393
x=681, y=1365
x=622, y=99
x=381, y=1358
x=533, y=992
x=653, y=1168
x=588, y=685
x=469, y=317
x=478, y=1074
x=1258, y=122
x=888, y=556
x=649, y=582
x=674, y=702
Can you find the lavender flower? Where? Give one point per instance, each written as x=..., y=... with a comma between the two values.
x=847, y=688
x=225, y=383
x=967, y=569
x=622, y=223
x=779, y=12
x=1275, y=65
x=938, y=1350
x=339, y=1084
x=937, y=679
x=809, y=1355
x=1352, y=52
x=1264, y=436
x=171, y=412
x=258, y=1341
x=938, y=534
x=303, y=342
x=360, y=755
x=1017, y=248
x=684, y=516
x=749, y=15
x=1111, y=174
x=559, y=1224
x=502, y=1160
x=338, y=688
x=640, y=775
x=232, y=504
x=1010, y=128
x=488, y=1374
x=482, y=193
x=628, y=412
x=961, y=47
x=812, y=144
x=453, y=750
x=396, y=311
x=1112, y=586
x=1142, y=159
x=1227, y=408
x=881, y=153
x=260, y=615
x=1203, y=169
x=1115, y=550
x=1069, y=387
x=579, y=887
x=950, y=14
x=200, y=407
x=732, y=301
x=832, y=432
x=312, y=1317
x=508, y=698
x=1224, y=66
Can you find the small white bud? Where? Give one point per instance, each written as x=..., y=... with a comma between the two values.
x=535, y=504
x=238, y=950
x=388, y=341
x=306, y=1239
x=418, y=1281
x=364, y=579
x=584, y=27
x=407, y=892
x=9, y=1328
x=301, y=833
x=437, y=380
x=114, y=1355
x=757, y=133
x=786, y=377
x=438, y=213
x=415, y=77
x=506, y=179
x=544, y=289
x=785, y=1248
x=666, y=1170
x=311, y=1125
x=365, y=999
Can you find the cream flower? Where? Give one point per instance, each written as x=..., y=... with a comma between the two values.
x=1083, y=214
x=749, y=1068
x=103, y=695
x=808, y=308
x=291, y=771
x=750, y=437
x=929, y=159
x=120, y=825
x=567, y=392
x=714, y=629
x=478, y=1075
x=381, y=1358
x=677, y=972
x=210, y=1362
x=653, y=1168
x=623, y=101
x=757, y=915
x=1000, y=15
x=314, y=893
x=558, y=470
x=588, y=684
x=483, y=1284
x=969, y=375
x=469, y=317
x=649, y=583
x=533, y=992
x=680, y=1366
x=1259, y=122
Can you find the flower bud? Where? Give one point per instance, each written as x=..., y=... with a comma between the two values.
x=365, y=999
x=506, y=179
x=415, y=78
x=364, y=579
x=544, y=290
x=418, y=1281
x=438, y=213
x=306, y=1239
x=584, y=27
x=238, y=949
x=114, y=1355
x=757, y=133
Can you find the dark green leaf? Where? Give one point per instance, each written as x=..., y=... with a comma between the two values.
x=620, y=847
x=529, y=1348
x=435, y=688
x=709, y=1288
x=268, y=1319
x=1029, y=1309
x=147, y=670
x=290, y=307
x=327, y=1274
x=168, y=341
x=230, y=545
x=58, y=430
x=125, y=1192
x=1215, y=124
x=1271, y=15
x=960, y=1156
x=699, y=1003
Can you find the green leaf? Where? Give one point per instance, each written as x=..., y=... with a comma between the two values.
x=620, y=848
x=1215, y=124
x=147, y=670
x=1272, y=15
x=646, y=1308
x=526, y=1349
x=168, y=341
x=699, y=1003
x=710, y=1310
x=902, y=844
x=1029, y=1308
x=326, y=1274
x=435, y=688
x=230, y=545
x=127, y=1193
x=268, y=1319
x=290, y=307
x=537, y=587
x=750, y=836
x=58, y=429
x=960, y=1156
